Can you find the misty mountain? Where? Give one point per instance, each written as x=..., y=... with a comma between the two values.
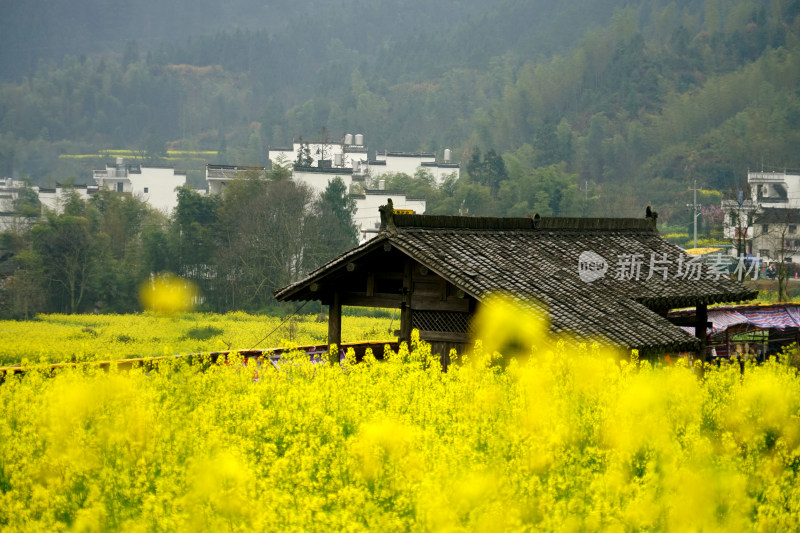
x=620, y=93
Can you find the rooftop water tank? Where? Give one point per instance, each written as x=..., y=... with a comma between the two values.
x=348, y=139
x=447, y=155
x=359, y=139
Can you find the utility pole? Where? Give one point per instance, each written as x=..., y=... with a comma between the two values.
x=695, y=207
x=585, y=196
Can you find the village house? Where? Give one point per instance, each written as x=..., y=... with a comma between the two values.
x=55, y=198
x=367, y=201
x=218, y=176
x=367, y=217
x=351, y=153
x=410, y=162
x=155, y=185
x=10, y=192
x=765, y=224
x=317, y=162
x=607, y=280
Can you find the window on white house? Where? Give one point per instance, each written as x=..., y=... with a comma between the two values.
x=146, y=190
x=764, y=228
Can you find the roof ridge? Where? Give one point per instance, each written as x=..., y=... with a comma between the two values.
x=460, y=222
x=524, y=223
x=606, y=224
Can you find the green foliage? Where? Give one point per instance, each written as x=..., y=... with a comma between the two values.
x=68, y=253
x=331, y=227
x=27, y=203
x=630, y=100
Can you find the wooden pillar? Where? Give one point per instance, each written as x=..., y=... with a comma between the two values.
x=334, y=327
x=405, y=306
x=700, y=329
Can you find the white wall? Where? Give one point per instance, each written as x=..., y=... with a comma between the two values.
x=397, y=162
x=767, y=182
x=154, y=185
x=368, y=217
x=318, y=180
x=54, y=199
x=351, y=155
x=409, y=163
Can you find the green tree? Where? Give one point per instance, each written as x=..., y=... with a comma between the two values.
x=27, y=203
x=331, y=230
x=261, y=241
x=68, y=255
x=489, y=171
x=194, y=236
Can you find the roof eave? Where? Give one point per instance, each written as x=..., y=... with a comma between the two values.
x=291, y=291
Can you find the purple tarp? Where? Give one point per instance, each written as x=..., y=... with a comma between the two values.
x=778, y=317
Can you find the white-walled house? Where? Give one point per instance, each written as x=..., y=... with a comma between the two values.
x=367, y=217
x=349, y=152
x=318, y=178
x=316, y=163
x=410, y=162
x=218, y=176
x=9, y=193
x=54, y=199
x=155, y=185
x=766, y=224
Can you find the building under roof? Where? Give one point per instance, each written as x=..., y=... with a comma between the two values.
x=606, y=280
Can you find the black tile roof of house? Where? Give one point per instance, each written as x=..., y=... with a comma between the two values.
x=537, y=262
x=408, y=154
x=230, y=171
x=777, y=215
x=440, y=164
x=323, y=170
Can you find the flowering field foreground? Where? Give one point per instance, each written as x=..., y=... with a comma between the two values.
x=563, y=440
x=63, y=338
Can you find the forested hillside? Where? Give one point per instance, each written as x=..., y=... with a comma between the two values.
x=594, y=107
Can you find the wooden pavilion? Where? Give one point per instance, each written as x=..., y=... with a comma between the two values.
x=611, y=280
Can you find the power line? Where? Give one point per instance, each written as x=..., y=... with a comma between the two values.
x=279, y=325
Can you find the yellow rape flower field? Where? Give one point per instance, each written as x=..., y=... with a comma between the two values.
x=555, y=438
x=67, y=338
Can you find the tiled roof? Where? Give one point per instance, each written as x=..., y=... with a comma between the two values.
x=536, y=261
x=323, y=170
x=776, y=215
x=227, y=172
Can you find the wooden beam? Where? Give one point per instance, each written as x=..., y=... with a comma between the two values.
x=334, y=327
x=686, y=321
x=405, y=307
x=371, y=284
x=443, y=336
x=432, y=303
x=378, y=300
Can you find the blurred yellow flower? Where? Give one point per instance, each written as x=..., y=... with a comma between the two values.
x=168, y=293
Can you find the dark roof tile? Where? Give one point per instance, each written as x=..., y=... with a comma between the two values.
x=537, y=260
